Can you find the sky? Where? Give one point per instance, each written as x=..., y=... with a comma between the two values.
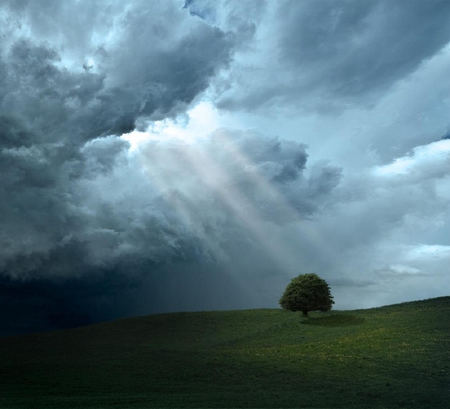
x=172, y=155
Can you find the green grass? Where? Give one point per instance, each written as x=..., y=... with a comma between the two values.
x=391, y=357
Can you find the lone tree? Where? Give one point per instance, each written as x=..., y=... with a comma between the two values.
x=307, y=292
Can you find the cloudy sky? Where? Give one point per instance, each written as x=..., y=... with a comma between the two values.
x=172, y=155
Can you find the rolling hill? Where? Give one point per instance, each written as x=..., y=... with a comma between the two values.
x=396, y=356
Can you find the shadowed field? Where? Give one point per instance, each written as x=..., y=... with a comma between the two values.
x=391, y=357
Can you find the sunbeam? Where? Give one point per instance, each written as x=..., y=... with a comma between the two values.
x=192, y=178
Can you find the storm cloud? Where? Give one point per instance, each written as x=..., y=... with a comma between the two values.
x=67, y=87
x=162, y=156
x=328, y=55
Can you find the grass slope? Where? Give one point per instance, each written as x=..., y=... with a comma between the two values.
x=391, y=357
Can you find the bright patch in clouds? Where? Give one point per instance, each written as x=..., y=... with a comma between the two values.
x=197, y=123
x=425, y=251
x=423, y=159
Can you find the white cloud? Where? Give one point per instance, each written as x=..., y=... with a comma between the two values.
x=428, y=251
x=429, y=161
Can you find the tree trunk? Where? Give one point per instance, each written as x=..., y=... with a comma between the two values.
x=305, y=313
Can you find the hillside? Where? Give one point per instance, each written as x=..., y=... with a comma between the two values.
x=391, y=357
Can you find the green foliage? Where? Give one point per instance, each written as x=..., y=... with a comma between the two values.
x=392, y=357
x=307, y=292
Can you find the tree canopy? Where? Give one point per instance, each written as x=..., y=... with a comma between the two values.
x=307, y=292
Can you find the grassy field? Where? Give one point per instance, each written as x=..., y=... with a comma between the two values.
x=391, y=357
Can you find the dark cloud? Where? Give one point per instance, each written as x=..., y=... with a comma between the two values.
x=51, y=110
x=330, y=54
x=66, y=84
x=41, y=304
x=149, y=71
x=358, y=47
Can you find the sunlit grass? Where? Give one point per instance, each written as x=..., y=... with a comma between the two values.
x=391, y=357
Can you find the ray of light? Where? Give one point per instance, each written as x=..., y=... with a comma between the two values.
x=220, y=182
x=183, y=205
x=277, y=198
x=197, y=160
